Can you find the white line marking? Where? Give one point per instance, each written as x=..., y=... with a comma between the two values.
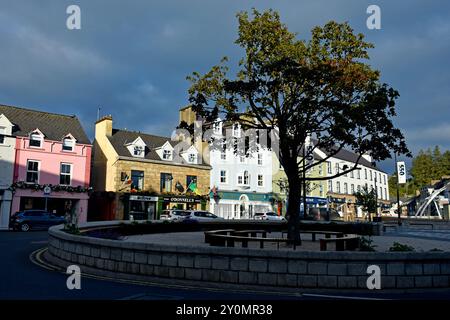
x=339, y=297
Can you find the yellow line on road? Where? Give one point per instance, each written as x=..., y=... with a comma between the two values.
x=36, y=258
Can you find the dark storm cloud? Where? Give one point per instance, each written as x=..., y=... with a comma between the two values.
x=131, y=58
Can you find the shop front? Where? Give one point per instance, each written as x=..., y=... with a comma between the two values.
x=57, y=202
x=239, y=205
x=143, y=207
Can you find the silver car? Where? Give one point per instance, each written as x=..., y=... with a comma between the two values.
x=174, y=215
x=200, y=215
x=268, y=216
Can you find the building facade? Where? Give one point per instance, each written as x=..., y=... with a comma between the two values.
x=241, y=182
x=340, y=190
x=241, y=185
x=337, y=193
x=316, y=192
x=52, y=159
x=7, y=153
x=139, y=175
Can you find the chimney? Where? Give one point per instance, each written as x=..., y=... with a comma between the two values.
x=103, y=126
x=187, y=115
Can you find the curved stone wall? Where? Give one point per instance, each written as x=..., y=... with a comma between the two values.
x=336, y=270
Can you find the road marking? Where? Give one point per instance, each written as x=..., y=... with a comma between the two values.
x=36, y=258
x=340, y=297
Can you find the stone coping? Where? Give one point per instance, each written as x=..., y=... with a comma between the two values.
x=57, y=232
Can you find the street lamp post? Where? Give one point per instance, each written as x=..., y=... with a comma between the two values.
x=398, y=192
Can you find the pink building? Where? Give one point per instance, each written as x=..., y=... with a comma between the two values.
x=52, y=162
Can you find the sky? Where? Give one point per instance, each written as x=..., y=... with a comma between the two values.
x=131, y=58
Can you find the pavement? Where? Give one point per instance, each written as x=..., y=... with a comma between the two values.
x=420, y=240
x=24, y=280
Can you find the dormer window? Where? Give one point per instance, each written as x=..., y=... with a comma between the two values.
x=167, y=154
x=2, y=135
x=217, y=127
x=36, y=139
x=137, y=148
x=68, y=144
x=236, y=130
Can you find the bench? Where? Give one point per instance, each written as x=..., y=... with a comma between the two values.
x=389, y=226
x=327, y=234
x=228, y=238
x=347, y=242
x=421, y=224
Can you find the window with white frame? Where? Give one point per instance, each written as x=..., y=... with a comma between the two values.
x=329, y=169
x=35, y=140
x=167, y=154
x=217, y=127
x=239, y=178
x=65, y=175
x=358, y=188
x=236, y=130
x=379, y=177
x=223, y=176
x=138, y=151
x=321, y=190
x=352, y=188
x=192, y=158
x=246, y=178
x=260, y=159
x=68, y=144
x=345, y=188
x=358, y=174
x=2, y=135
x=385, y=194
x=260, y=180
x=223, y=151
x=384, y=178
x=320, y=170
x=370, y=175
x=338, y=187
x=365, y=173
x=337, y=168
x=330, y=185
x=32, y=171
x=352, y=174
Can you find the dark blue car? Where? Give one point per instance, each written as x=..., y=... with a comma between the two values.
x=34, y=220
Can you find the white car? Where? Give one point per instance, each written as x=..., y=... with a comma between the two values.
x=199, y=215
x=268, y=216
x=174, y=215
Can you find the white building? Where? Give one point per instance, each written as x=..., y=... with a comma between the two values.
x=241, y=186
x=341, y=189
x=7, y=154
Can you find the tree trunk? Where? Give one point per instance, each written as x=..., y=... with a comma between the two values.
x=293, y=210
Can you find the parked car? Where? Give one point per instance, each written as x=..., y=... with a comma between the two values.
x=324, y=214
x=199, y=215
x=33, y=220
x=174, y=215
x=268, y=216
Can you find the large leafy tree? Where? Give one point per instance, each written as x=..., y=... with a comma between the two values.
x=322, y=88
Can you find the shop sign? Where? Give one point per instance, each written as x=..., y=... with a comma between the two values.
x=143, y=198
x=182, y=199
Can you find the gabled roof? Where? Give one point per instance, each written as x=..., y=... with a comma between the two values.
x=53, y=126
x=120, y=138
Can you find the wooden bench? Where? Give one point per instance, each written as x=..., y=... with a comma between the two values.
x=222, y=238
x=389, y=226
x=421, y=224
x=347, y=242
x=327, y=234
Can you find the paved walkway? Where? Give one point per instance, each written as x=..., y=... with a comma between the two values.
x=420, y=240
